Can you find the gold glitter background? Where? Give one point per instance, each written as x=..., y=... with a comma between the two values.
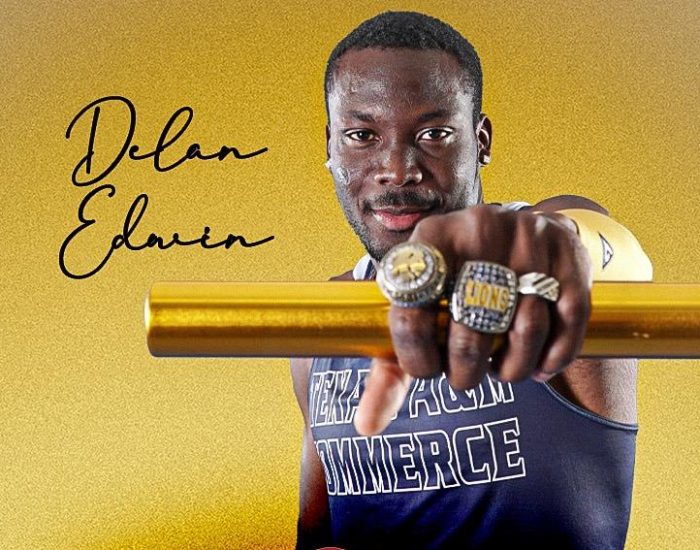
x=102, y=446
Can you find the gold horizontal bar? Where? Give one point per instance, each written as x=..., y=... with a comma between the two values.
x=350, y=319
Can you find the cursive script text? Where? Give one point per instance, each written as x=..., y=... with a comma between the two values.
x=173, y=130
x=125, y=237
x=86, y=173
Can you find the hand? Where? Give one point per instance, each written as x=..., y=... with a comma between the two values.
x=544, y=337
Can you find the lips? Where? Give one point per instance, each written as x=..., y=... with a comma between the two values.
x=397, y=219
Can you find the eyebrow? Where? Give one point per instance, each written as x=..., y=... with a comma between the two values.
x=440, y=113
x=364, y=117
x=425, y=117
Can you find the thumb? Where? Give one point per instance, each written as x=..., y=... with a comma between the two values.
x=385, y=390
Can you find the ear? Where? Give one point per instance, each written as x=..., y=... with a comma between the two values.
x=328, y=144
x=484, y=138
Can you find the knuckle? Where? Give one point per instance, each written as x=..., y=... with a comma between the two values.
x=564, y=222
x=480, y=215
x=486, y=233
x=528, y=223
x=414, y=344
x=575, y=311
x=554, y=216
x=562, y=241
x=428, y=229
x=525, y=330
x=480, y=218
x=464, y=348
x=407, y=333
x=560, y=234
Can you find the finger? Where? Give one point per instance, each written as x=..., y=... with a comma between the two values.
x=562, y=220
x=529, y=329
x=568, y=330
x=571, y=311
x=414, y=337
x=526, y=339
x=468, y=354
x=386, y=387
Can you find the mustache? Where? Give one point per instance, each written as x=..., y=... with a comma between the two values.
x=410, y=198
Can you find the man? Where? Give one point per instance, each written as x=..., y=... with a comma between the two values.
x=457, y=445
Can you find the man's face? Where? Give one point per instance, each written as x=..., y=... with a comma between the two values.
x=401, y=141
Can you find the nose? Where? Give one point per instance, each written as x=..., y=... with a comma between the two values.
x=398, y=166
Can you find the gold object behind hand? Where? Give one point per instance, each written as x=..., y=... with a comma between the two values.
x=350, y=319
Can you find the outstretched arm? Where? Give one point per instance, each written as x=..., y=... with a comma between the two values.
x=544, y=339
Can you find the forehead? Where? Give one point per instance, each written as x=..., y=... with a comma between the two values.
x=398, y=82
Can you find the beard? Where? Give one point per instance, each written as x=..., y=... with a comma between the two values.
x=378, y=243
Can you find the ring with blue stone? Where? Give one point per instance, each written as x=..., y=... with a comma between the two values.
x=484, y=297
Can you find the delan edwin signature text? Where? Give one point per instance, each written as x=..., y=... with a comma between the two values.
x=85, y=175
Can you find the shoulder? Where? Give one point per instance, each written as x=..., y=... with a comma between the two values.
x=563, y=202
x=347, y=276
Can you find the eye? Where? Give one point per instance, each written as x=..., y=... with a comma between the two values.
x=434, y=134
x=360, y=135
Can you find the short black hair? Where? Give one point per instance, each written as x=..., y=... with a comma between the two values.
x=415, y=31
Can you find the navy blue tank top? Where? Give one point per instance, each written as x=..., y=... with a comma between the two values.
x=502, y=464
